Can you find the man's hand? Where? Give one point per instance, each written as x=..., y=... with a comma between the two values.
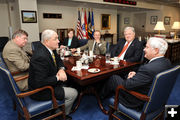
x=61, y=75
x=131, y=74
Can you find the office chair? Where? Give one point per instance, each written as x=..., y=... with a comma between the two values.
x=27, y=107
x=155, y=100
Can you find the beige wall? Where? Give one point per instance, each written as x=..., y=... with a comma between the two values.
x=4, y=20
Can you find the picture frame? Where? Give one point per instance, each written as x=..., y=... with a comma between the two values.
x=105, y=21
x=126, y=20
x=153, y=20
x=29, y=16
x=167, y=20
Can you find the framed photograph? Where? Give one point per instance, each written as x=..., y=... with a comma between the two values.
x=167, y=20
x=126, y=20
x=105, y=21
x=153, y=20
x=29, y=16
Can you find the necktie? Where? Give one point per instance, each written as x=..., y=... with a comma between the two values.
x=124, y=49
x=54, y=59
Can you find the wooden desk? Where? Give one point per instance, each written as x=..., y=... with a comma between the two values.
x=86, y=79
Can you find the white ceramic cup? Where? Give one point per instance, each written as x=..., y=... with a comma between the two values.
x=78, y=64
x=116, y=59
x=78, y=50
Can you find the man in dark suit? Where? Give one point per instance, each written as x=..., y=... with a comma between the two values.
x=128, y=48
x=141, y=80
x=46, y=68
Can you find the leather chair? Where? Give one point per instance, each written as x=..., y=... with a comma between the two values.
x=155, y=100
x=35, y=45
x=83, y=42
x=27, y=107
x=3, y=41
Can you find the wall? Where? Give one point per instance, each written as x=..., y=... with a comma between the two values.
x=31, y=28
x=4, y=20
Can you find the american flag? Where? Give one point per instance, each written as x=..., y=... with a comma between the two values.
x=79, y=29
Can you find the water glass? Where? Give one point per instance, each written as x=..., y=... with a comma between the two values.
x=108, y=56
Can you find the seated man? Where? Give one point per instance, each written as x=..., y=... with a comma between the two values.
x=97, y=45
x=128, y=48
x=141, y=80
x=16, y=58
x=46, y=68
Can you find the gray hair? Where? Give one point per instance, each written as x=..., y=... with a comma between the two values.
x=47, y=34
x=19, y=33
x=159, y=43
x=131, y=28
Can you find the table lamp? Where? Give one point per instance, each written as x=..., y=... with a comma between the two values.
x=159, y=26
x=176, y=26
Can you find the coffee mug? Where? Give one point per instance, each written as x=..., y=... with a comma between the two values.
x=116, y=59
x=78, y=64
x=78, y=50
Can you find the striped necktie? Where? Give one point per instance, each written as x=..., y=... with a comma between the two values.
x=124, y=49
x=54, y=59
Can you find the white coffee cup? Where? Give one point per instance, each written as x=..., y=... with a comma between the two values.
x=116, y=59
x=78, y=64
x=91, y=53
x=78, y=50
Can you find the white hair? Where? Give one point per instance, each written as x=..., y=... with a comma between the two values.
x=159, y=43
x=47, y=34
x=131, y=28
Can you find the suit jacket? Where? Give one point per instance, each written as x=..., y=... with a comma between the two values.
x=42, y=72
x=17, y=60
x=133, y=53
x=142, y=82
x=98, y=50
x=74, y=43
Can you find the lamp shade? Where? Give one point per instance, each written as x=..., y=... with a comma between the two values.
x=159, y=26
x=176, y=25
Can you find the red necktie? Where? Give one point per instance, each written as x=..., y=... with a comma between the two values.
x=124, y=49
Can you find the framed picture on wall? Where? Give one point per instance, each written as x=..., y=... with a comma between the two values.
x=126, y=20
x=105, y=21
x=153, y=20
x=29, y=16
x=167, y=20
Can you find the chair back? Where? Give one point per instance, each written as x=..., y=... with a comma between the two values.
x=82, y=42
x=3, y=41
x=35, y=45
x=10, y=83
x=161, y=89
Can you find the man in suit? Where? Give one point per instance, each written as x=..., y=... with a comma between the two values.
x=46, y=68
x=16, y=58
x=97, y=45
x=71, y=41
x=128, y=48
x=141, y=80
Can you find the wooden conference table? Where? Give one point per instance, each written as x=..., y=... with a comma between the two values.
x=86, y=79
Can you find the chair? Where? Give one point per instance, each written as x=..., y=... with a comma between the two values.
x=155, y=100
x=82, y=42
x=27, y=107
x=3, y=41
x=35, y=45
